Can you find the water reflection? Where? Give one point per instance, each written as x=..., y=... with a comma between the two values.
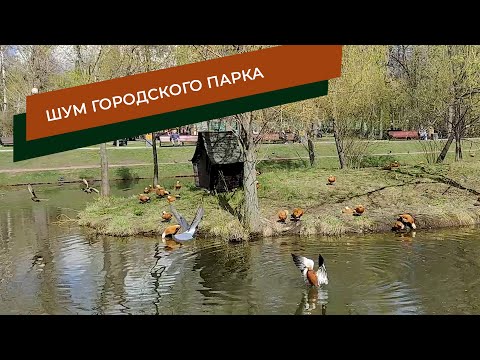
x=224, y=273
x=49, y=268
x=310, y=299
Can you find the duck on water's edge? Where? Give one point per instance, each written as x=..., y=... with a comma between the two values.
x=377, y=223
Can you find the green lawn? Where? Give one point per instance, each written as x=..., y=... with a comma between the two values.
x=176, y=161
x=418, y=190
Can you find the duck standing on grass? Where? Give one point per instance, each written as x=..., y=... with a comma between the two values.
x=166, y=216
x=359, y=210
x=311, y=277
x=282, y=216
x=296, y=214
x=161, y=192
x=331, y=180
x=178, y=186
x=407, y=220
x=143, y=198
x=398, y=226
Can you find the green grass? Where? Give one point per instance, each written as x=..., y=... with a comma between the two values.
x=176, y=161
x=284, y=184
x=325, y=151
x=384, y=194
x=127, y=217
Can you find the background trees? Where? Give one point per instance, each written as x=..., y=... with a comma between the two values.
x=381, y=87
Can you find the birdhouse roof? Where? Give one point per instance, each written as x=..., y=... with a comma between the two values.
x=221, y=147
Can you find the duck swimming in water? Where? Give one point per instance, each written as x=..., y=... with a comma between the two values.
x=88, y=189
x=32, y=193
x=311, y=277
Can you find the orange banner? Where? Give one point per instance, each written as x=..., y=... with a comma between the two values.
x=168, y=90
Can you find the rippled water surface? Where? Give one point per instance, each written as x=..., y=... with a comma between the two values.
x=432, y=273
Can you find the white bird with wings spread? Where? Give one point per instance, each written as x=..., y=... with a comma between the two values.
x=188, y=230
x=306, y=267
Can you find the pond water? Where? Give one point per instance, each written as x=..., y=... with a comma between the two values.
x=432, y=273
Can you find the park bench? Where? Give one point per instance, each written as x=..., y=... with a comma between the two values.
x=6, y=141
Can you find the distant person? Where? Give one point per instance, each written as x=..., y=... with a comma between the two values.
x=423, y=134
x=430, y=131
x=174, y=137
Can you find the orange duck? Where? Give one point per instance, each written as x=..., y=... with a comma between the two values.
x=407, y=220
x=161, y=192
x=178, y=186
x=282, y=216
x=166, y=216
x=171, y=198
x=331, y=180
x=398, y=226
x=359, y=210
x=311, y=277
x=170, y=231
x=143, y=198
x=296, y=214
x=347, y=210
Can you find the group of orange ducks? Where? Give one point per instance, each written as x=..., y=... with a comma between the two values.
x=297, y=213
x=160, y=192
x=404, y=222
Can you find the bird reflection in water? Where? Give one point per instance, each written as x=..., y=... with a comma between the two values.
x=172, y=245
x=311, y=298
x=407, y=236
x=158, y=268
x=161, y=264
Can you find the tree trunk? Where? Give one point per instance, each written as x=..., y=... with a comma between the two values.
x=4, y=88
x=458, y=148
x=155, y=160
x=338, y=143
x=105, y=189
x=451, y=114
x=451, y=135
x=444, y=152
x=458, y=140
x=78, y=59
x=311, y=151
x=4, y=81
x=251, y=213
x=380, y=124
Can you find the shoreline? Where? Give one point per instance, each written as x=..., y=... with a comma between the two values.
x=205, y=234
x=437, y=197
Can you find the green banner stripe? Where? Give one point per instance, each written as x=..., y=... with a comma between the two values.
x=54, y=144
